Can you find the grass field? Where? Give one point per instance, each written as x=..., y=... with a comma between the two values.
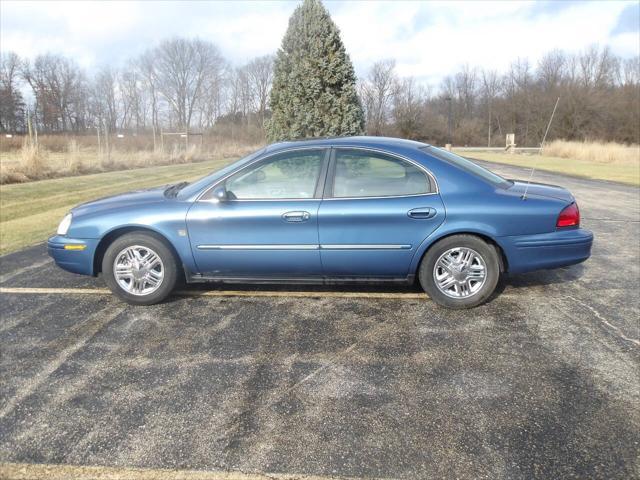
x=30, y=212
x=627, y=172
x=30, y=163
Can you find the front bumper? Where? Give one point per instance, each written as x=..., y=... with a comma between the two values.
x=73, y=254
x=526, y=253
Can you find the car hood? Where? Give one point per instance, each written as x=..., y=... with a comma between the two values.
x=129, y=199
x=542, y=190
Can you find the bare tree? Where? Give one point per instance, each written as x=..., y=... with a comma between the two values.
x=145, y=67
x=551, y=69
x=631, y=71
x=59, y=87
x=377, y=93
x=104, y=95
x=11, y=102
x=181, y=67
x=490, y=89
x=260, y=76
x=132, y=98
x=408, y=107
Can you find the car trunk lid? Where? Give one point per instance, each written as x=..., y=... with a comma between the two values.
x=543, y=190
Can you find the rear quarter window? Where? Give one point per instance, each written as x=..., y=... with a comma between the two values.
x=468, y=166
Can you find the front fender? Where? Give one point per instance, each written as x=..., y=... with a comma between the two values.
x=166, y=219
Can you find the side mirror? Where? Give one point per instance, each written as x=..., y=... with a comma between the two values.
x=220, y=194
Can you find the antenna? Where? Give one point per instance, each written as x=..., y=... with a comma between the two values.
x=526, y=189
x=549, y=125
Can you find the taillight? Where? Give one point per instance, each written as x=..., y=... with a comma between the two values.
x=569, y=216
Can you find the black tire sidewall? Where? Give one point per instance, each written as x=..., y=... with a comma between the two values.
x=488, y=253
x=157, y=245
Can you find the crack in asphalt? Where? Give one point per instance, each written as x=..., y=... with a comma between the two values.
x=604, y=321
x=94, y=324
x=8, y=276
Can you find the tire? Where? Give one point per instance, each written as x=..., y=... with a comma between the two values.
x=140, y=286
x=465, y=289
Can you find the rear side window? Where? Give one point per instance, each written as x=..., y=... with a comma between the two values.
x=467, y=166
x=360, y=173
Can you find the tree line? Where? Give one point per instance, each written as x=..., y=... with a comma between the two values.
x=598, y=92
x=187, y=84
x=180, y=84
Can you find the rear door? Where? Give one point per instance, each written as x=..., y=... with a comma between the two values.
x=377, y=209
x=268, y=225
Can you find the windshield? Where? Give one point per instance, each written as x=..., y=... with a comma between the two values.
x=198, y=185
x=467, y=166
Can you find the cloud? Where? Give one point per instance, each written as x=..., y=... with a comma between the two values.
x=429, y=40
x=628, y=20
x=445, y=36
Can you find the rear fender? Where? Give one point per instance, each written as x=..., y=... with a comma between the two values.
x=479, y=229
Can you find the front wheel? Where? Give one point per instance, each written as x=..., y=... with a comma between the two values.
x=140, y=269
x=460, y=271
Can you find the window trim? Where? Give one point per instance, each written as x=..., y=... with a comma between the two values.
x=330, y=180
x=316, y=193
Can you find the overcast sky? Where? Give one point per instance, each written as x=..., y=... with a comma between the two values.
x=429, y=40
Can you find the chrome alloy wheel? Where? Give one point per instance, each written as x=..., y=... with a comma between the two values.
x=460, y=272
x=138, y=270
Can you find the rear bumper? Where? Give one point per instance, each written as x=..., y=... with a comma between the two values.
x=526, y=253
x=73, y=254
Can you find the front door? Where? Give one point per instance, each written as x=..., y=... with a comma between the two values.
x=377, y=210
x=267, y=226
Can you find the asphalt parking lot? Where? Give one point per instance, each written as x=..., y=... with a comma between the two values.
x=543, y=382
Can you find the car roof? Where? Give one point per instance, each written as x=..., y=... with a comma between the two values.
x=359, y=141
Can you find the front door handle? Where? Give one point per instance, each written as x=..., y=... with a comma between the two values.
x=422, y=212
x=296, y=217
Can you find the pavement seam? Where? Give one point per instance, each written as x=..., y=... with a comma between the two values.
x=96, y=322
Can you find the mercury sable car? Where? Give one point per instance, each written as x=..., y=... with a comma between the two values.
x=360, y=209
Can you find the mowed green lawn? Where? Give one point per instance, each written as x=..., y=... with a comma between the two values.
x=30, y=212
x=623, y=173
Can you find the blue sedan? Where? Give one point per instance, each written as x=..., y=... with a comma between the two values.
x=359, y=209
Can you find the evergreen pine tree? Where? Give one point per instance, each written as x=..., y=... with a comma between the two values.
x=314, y=86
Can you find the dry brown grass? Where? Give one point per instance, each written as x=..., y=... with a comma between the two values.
x=596, y=152
x=76, y=158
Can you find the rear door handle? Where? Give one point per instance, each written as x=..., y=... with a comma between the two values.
x=422, y=212
x=296, y=217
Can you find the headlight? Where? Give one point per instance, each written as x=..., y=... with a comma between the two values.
x=64, y=224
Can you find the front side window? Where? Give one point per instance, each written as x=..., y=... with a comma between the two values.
x=288, y=175
x=361, y=173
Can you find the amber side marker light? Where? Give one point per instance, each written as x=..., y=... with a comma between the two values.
x=569, y=216
x=75, y=247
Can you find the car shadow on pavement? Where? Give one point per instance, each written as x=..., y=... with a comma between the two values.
x=544, y=277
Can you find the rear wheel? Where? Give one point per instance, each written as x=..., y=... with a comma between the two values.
x=460, y=271
x=140, y=269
